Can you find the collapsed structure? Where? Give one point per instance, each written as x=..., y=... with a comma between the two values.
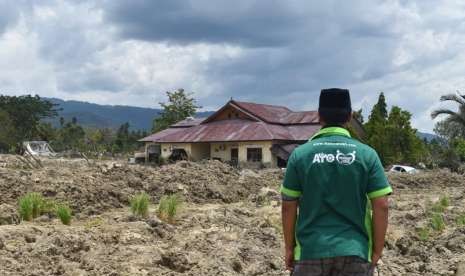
x=241, y=133
x=38, y=148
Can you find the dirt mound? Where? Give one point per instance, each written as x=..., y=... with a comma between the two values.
x=204, y=241
x=94, y=188
x=229, y=225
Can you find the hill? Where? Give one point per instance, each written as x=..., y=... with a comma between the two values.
x=112, y=116
x=427, y=136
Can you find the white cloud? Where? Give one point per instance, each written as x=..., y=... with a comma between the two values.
x=274, y=52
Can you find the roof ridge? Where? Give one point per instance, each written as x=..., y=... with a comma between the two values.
x=271, y=105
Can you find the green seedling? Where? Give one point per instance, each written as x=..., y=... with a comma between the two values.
x=444, y=201
x=31, y=206
x=140, y=205
x=168, y=207
x=461, y=220
x=437, y=222
x=63, y=212
x=424, y=233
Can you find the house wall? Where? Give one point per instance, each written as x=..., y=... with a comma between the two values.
x=200, y=151
x=166, y=148
x=223, y=151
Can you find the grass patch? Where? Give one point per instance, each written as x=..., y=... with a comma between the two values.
x=424, y=233
x=444, y=201
x=460, y=220
x=31, y=206
x=168, y=207
x=441, y=205
x=437, y=222
x=140, y=205
x=63, y=212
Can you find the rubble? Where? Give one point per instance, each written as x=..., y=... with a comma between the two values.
x=229, y=223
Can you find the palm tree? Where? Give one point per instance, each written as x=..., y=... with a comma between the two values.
x=455, y=121
x=456, y=117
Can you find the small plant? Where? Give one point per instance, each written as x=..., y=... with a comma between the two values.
x=437, y=222
x=441, y=205
x=460, y=220
x=438, y=208
x=63, y=212
x=424, y=233
x=140, y=205
x=168, y=207
x=31, y=206
x=444, y=201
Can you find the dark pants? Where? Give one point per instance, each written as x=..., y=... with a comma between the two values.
x=338, y=266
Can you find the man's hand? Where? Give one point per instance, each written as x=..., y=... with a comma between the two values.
x=380, y=222
x=289, y=215
x=289, y=259
x=375, y=259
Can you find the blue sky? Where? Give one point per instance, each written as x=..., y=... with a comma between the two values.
x=278, y=52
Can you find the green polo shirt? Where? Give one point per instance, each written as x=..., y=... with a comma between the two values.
x=334, y=176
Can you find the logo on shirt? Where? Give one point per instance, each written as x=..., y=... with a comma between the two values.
x=341, y=158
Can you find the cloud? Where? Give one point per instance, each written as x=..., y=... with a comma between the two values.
x=249, y=23
x=277, y=52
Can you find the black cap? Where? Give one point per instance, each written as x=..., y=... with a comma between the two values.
x=335, y=100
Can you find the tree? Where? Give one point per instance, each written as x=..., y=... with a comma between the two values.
x=379, y=111
x=376, y=127
x=6, y=132
x=70, y=136
x=26, y=113
x=392, y=135
x=359, y=115
x=180, y=106
x=402, y=141
x=453, y=126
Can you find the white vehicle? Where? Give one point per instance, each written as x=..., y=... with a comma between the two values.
x=38, y=148
x=403, y=169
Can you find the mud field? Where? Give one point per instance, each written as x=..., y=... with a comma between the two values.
x=229, y=223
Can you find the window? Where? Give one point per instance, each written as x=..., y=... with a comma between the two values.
x=254, y=155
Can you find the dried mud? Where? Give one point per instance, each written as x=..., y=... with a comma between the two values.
x=229, y=223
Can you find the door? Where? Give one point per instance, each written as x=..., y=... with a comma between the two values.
x=234, y=156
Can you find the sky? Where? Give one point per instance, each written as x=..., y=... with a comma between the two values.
x=130, y=52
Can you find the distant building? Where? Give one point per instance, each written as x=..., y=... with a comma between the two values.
x=242, y=133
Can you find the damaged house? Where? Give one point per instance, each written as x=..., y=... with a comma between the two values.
x=241, y=133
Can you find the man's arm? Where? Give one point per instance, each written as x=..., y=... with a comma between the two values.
x=289, y=215
x=380, y=207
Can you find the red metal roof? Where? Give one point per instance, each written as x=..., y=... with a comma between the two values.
x=234, y=130
x=159, y=135
x=276, y=114
x=189, y=122
x=268, y=122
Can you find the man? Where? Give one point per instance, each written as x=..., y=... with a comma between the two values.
x=328, y=225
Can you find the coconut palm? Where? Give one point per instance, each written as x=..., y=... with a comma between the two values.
x=455, y=121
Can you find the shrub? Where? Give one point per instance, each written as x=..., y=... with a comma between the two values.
x=140, y=205
x=168, y=207
x=63, y=212
x=437, y=222
x=31, y=206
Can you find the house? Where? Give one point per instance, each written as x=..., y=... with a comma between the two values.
x=241, y=133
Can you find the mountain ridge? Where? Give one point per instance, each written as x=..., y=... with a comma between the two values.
x=110, y=116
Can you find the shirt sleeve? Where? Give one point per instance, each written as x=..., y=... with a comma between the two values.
x=378, y=184
x=291, y=187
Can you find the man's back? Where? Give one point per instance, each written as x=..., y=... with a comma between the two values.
x=334, y=175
